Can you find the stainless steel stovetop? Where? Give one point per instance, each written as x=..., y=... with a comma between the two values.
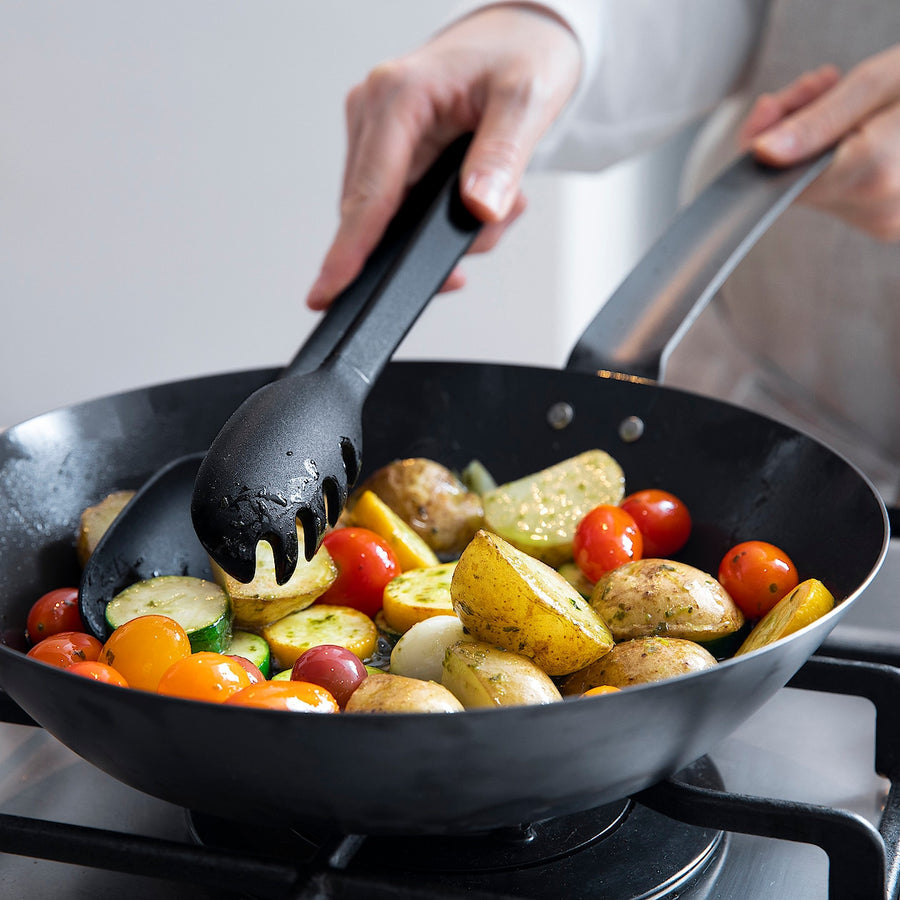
x=802, y=745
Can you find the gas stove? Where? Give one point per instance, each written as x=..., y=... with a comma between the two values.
x=787, y=806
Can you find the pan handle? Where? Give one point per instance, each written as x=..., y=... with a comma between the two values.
x=658, y=301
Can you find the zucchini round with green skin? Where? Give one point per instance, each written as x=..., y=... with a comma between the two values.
x=201, y=608
x=253, y=647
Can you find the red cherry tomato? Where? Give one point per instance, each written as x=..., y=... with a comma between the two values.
x=757, y=575
x=66, y=648
x=365, y=564
x=607, y=537
x=334, y=668
x=98, y=671
x=663, y=519
x=54, y=612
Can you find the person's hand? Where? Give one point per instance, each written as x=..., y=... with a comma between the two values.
x=860, y=114
x=503, y=73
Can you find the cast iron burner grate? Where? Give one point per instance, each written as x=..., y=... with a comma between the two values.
x=589, y=854
x=572, y=857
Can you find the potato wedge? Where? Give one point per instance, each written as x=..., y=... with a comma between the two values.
x=665, y=598
x=322, y=624
x=429, y=498
x=383, y=693
x=371, y=512
x=264, y=600
x=539, y=513
x=507, y=598
x=640, y=661
x=479, y=674
x=95, y=520
x=420, y=652
x=418, y=594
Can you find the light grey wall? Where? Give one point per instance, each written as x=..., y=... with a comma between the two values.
x=168, y=184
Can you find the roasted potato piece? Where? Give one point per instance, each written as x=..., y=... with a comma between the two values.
x=507, y=598
x=383, y=693
x=95, y=520
x=264, y=600
x=479, y=674
x=431, y=499
x=640, y=661
x=539, y=513
x=665, y=598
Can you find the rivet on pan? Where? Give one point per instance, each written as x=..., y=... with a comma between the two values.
x=560, y=415
x=631, y=429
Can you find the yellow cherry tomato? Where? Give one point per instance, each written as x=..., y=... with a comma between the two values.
x=144, y=648
x=600, y=689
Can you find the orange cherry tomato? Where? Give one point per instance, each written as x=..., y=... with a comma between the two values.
x=66, y=648
x=365, y=564
x=293, y=696
x=54, y=612
x=757, y=575
x=213, y=677
x=663, y=519
x=600, y=689
x=144, y=648
x=98, y=671
x=607, y=537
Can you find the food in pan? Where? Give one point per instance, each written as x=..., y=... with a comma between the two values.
x=377, y=623
x=481, y=674
x=639, y=661
x=514, y=601
x=539, y=514
x=663, y=597
x=96, y=519
x=431, y=499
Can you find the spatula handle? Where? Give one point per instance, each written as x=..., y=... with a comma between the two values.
x=422, y=244
x=658, y=301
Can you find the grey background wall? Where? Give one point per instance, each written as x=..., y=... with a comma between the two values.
x=168, y=183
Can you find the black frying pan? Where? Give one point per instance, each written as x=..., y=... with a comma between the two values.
x=742, y=475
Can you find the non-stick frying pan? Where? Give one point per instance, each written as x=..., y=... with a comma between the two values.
x=742, y=475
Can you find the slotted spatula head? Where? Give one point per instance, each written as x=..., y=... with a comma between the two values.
x=292, y=451
x=291, y=454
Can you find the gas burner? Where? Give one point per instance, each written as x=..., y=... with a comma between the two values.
x=622, y=850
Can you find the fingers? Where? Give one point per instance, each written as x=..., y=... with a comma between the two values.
x=830, y=117
x=769, y=109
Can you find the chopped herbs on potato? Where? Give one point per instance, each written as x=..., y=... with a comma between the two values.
x=507, y=598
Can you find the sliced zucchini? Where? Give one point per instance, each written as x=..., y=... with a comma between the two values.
x=321, y=624
x=200, y=607
x=283, y=675
x=418, y=594
x=264, y=600
x=95, y=520
x=538, y=514
x=253, y=647
x=477, y=478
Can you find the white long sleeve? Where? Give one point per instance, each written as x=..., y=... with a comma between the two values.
x=650, y=67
